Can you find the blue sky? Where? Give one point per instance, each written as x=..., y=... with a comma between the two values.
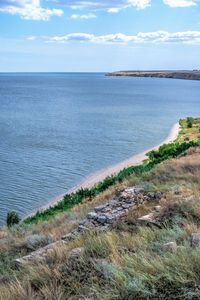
x=99, y=35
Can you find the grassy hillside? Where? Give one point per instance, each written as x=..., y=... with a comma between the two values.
x=130, y=261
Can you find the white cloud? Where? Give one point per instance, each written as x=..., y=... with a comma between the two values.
x=180, y=3
x=112, y=6
x=42, y=9
x=115, y=6
x=28, y=9
x=31, y=38
x=186, y=37
x=140, y=4
x=83, y=17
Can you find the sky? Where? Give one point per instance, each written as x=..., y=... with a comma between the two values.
x=99, y=35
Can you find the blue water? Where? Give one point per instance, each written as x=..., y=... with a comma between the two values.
x=55, y=129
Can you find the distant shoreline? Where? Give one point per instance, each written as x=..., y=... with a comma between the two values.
x=184, y=74
x=99, y=176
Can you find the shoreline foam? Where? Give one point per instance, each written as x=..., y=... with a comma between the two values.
x=98, y=176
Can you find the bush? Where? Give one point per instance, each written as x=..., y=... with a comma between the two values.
x=12, y=218
x=165, y=152
x=190, y=122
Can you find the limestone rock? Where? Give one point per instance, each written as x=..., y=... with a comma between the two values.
x=92, y=215
x=147, y=219
x=101, y=219
x=195, y=240
x=104, y=268
x=100, y=207
x=170, y=247
x=36, y=241
x=158, y=208
x=38, y=255
x=76, y=252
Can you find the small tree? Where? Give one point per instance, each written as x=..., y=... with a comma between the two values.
x=190, y=122
x=12, y=218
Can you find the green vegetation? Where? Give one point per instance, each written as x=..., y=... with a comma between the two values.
x=190, y=122
x=165, y=152
x=129, y=262
x=12, y=218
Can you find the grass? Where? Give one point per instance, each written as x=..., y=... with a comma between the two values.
x=165, y=152
x=127, y=262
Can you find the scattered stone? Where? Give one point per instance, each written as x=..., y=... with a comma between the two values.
x=104, y=268
x=119, y=208
x=111, y=219
x=76, y=252
x=170, y=247
x=68, y=237
x=151, y=195
x=101, y=219
x=138, y=190
x=36, y=241
x=100, y=207
x=158, y=195
x=38, y=255
x=82, y=228
x=126, y=206
x=195, y=240
x=149, y=220
x=158, y=208
x=92, y=215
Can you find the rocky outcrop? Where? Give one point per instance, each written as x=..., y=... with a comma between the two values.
x=189, y=75
x=38, y=255
x=103, y=217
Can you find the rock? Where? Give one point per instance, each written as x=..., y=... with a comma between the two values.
x=128, y=200
x=120, y=208
x=82, y=228
x=158, y=195
x=68, y=237
x=36, y=241
x=195, y=240
x=158, y=208
x=104, y=268
x=101, y=219
x=100, y=207
x=38, y=255
x=138, y=190
x=149, y=220
x=151, y=195
x=76, y=252
x=111, y=219
x=92, y=215
x=170, y=247
x=126, y=206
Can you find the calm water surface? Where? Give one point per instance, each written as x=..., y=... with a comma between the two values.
x=55, y=129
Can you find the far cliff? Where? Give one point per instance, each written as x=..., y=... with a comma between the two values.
x=185, y=74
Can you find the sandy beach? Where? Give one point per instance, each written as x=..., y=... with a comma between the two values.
x=96, y=177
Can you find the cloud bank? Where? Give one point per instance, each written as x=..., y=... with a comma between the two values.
x=114, y=6
x=186, y=37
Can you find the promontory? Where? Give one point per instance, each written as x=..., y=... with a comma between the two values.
x=177, y=74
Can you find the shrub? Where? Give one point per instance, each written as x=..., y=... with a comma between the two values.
x=12, y=218
x=190, y=122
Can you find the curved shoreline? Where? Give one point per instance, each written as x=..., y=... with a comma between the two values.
x=98, y=176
